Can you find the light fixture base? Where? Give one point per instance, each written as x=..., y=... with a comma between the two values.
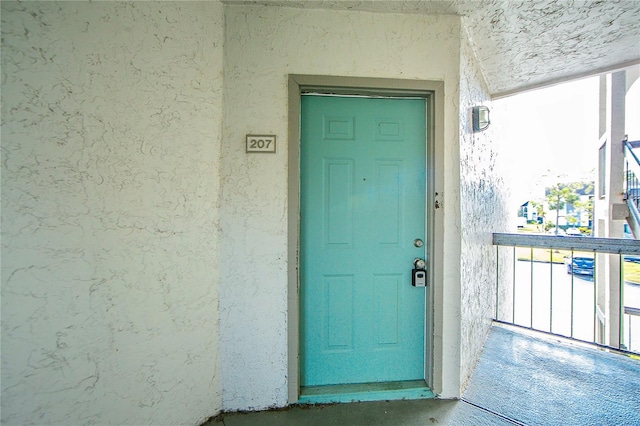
x=480, y=118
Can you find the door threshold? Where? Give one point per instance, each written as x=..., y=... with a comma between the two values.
x=411, y=389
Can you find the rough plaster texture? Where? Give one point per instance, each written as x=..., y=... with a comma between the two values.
x=111, y=121
x=483, y=211
x=262, y=46
x=523, y=43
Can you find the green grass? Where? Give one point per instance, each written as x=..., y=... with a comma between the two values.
x=543, y=255
x=531, y=228
x=632, y=272
x=631, y=269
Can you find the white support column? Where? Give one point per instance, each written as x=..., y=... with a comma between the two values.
x=612, y=209
x=600, y=224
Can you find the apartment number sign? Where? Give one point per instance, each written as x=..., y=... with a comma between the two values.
x=261, y=143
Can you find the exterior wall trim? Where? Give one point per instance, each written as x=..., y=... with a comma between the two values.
x=433, y=91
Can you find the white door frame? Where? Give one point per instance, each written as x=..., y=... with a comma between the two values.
x=433, y=92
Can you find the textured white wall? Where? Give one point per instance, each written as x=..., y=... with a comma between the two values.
x=111, y=121
x=484, y=210
x=262, y=46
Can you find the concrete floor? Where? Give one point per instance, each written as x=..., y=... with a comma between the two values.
x=521, y=378
x=414, y=412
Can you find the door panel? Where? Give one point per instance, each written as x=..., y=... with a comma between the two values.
x=362, y=206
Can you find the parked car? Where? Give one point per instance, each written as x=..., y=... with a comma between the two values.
x=573, y=232
x=580, y=265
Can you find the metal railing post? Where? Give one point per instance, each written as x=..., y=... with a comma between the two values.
x=572, y=293
x=595, y=297
x=513, y=285
x=531, y=287
x=497, y=279
x=621, y=302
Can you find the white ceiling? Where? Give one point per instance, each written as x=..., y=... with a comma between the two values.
x=524, y=44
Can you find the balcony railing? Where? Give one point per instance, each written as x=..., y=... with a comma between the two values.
x=632, y=178
x=582, y=288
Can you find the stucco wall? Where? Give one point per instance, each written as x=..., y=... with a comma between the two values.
x=483, y=211
x=262, y=46
x=110, y=143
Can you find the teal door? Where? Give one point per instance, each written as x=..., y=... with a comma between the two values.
x=362, y=207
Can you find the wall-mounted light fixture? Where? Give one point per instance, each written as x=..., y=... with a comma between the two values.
x=480, y=118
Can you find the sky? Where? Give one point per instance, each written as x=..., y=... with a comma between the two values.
x=549, y=135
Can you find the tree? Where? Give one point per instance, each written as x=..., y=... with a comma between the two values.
x=572, y=219
x=559, y=196
x=587, y=206
x=539, y=208
x=583, y=188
